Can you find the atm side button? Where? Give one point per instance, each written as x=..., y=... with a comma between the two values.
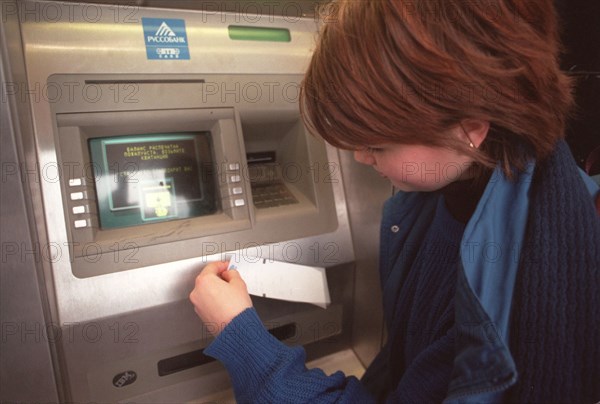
x=239, y=202
x=80, y=224
x=237, y=191
x=236, y=178
x=234, y=166
x=75, y=182
x=78, y=210
x=77, y=196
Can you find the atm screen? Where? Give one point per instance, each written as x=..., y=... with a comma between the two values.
x=144, y=179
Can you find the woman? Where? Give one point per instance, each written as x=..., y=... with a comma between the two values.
x=491, y=249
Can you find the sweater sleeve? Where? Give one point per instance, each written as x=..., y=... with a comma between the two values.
x=264, y=370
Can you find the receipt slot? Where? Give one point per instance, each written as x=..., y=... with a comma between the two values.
x=160, y=164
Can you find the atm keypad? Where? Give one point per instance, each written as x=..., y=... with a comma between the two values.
x=271, y=195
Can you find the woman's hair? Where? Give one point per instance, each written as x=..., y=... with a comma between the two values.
x=396, y=71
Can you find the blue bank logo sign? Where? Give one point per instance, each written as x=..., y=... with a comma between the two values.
x=165, y=38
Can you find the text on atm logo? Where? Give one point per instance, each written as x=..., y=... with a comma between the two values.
x=164, y=34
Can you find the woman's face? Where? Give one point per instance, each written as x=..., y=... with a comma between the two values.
x=416, y=167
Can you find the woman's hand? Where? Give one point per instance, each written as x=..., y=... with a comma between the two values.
x=219, y=296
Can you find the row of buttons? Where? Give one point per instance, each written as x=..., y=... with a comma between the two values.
x=236, y=179
x=78, y=196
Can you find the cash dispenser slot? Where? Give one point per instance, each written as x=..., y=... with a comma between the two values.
x=195, y=358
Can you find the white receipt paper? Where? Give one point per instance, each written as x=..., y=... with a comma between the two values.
x=284, y=281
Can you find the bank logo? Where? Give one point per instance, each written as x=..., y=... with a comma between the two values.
x=165, y=39
x=164, y=30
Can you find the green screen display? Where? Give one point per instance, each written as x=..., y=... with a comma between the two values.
x=151, y=178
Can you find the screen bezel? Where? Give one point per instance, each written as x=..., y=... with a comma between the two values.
x=75, y=130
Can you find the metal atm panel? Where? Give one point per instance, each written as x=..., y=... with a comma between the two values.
x=131, y=315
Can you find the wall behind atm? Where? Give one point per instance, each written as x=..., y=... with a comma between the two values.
x=581, y=39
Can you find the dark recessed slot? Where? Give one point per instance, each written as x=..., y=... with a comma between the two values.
x=197, y=358
x=261, y=157
x=183, y=362
x=146, y=81
x=284, y=332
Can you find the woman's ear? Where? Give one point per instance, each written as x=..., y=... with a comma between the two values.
x=475, y=130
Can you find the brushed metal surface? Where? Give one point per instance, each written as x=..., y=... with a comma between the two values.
x=25, y=345
x=291, y=9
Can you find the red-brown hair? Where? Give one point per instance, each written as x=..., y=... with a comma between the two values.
x=396, y=71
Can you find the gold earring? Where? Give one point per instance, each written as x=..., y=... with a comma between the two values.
x=471, y=145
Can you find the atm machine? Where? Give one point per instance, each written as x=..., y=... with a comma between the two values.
x=142, y=141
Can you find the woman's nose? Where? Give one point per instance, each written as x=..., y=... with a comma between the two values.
x=364, y=156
